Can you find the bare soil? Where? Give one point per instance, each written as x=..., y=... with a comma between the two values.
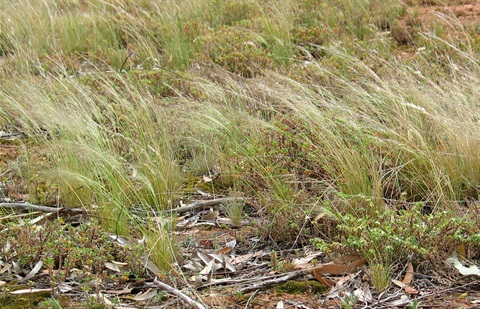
x=454, y=14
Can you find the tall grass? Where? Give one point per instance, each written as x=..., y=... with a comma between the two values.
x=357, y=133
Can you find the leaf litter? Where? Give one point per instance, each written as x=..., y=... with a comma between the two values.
x=216, y=264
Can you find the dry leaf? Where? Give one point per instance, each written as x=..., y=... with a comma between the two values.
x=203, y=193
x=207, y=179
x=148, y=294
x=101, y=298
x=16, y=268
x=5, y=268
x=336, y=269
x=218, y=257
x=399, y=283
x=94, y=283
x=34, y=271
x=197, y=280
x=205, y=258
x=406, y=288
x=230, y=266
x=404, y=299
x=464, y=270
x=410, y=290
x=408, y=274
x=113, y=266
x=151, y=266
x=305, y=262
x=318, y=217
x=224, y=251
x=64, y=287
x=7, y=247
x=345, y=279
x=121, y=241
x=40, y=218
x=208, y=269
x=231, y=243
x=246, y=257
x=364, y=294
x=193, y=266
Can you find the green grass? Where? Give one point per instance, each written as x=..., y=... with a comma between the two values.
x=305, y=107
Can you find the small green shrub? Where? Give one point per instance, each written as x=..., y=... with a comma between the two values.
x=49, y=303
x=392, y=235
x=237, y=50
x=64, y=248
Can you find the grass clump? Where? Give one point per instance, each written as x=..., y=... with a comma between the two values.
x=235, y=212
x=306, y=107
x=380, y=277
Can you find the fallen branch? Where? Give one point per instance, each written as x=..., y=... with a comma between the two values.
x=34, y=207
x=178, y=293
x=231, y=283
x=195, y=205
x=266, y=283
x=4, y=136
x=204, y=204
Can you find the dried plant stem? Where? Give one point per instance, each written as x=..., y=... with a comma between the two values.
x=204, y=204
x=178, y=293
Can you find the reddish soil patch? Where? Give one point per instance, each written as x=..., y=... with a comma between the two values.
x=452, y=15
x=7, y=153
x=457, y=20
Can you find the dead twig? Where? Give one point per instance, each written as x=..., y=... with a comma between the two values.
x=4, y=136
x=230, y=283
x=34, y=207
x=250, y=298
x=204, y=204
x=266, y=283
x=178, y=293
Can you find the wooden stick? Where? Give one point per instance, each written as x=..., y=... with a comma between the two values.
x=192, y=206
x=265, y=283
x=34, y=207
x=178, y=293
x=204, y=204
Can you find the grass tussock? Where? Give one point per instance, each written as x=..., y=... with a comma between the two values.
x=306, y=111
